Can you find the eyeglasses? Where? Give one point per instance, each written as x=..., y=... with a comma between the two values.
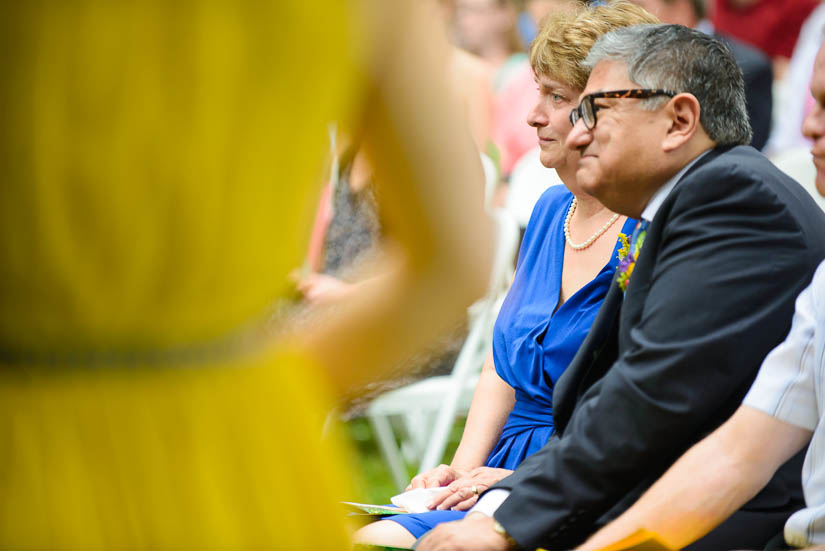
x=587, y=107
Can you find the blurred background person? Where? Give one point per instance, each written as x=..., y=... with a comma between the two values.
x=771, y=26
x=470, y=77
x=346, y=232
x=534, y=11
x=161, y=165
x=344, y=255
x=488, y=29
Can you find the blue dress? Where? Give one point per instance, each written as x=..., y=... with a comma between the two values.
x=533, y=342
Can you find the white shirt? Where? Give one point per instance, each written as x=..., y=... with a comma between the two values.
x=790, y=386
x=661, y=194
x=492, y=500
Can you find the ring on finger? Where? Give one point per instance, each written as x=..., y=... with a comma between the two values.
x=474, y=489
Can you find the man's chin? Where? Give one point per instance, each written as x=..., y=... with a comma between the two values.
x=820, y=181
x=588, y=182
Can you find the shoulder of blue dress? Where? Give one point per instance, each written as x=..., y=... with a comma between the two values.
x=552, y=205
x=554, y=197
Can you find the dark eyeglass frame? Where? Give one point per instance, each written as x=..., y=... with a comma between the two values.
x=587, y=107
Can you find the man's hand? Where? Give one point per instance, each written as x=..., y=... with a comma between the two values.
x=474, y=533
x=434, y=478
x=463, y=493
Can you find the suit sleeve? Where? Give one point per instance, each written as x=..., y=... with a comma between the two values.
x=717, y=283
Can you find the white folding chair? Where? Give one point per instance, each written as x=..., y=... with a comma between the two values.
x=528, y=180
x=427, y=409
x=798, y=163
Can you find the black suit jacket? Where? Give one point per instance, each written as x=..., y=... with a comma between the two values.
x=711, y=294
x=758, y=74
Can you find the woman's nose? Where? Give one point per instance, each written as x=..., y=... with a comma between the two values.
x=536, y=117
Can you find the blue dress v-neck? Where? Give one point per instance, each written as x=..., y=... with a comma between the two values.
x=533, y=340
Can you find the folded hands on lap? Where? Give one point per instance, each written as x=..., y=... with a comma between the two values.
x=461, y=487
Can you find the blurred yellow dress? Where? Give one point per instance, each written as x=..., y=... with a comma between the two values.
x=160, y=163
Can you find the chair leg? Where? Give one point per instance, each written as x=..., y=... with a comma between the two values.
x=418, y=424
x=389, y=449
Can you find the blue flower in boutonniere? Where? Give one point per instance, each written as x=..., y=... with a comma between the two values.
x=627, y=260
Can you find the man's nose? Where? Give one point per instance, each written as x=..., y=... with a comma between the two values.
x=579, y=136
x=813, y=126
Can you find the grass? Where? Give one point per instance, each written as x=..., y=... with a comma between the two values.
x=376, y=484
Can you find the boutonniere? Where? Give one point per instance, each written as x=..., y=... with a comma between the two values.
x=627, y=258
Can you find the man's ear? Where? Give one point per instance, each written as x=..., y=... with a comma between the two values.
x=683, y=112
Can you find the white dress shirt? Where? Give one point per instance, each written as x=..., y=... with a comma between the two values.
x=790, y=386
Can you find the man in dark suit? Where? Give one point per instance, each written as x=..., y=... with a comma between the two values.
x=785, y=407
x=756, y=67
x=726, y=244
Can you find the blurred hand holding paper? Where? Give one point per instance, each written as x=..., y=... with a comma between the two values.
x=414, y=501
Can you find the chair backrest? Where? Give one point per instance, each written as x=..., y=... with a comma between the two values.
x=507, y=243
x=491, y=177
x=798, y=163
x=528, y=181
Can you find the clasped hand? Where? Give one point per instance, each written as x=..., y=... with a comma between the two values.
x=461, y=486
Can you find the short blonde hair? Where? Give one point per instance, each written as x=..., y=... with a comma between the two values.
x=565, y=38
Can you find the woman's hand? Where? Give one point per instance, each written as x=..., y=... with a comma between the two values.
x=434, y=478
x=461, y=494
x=324, y=289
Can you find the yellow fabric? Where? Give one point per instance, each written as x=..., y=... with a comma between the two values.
x=161, y=161
x=206, y=457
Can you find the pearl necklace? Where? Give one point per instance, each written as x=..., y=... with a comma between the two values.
x=593, y=238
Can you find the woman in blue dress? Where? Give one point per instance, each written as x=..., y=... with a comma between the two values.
x=566, y=263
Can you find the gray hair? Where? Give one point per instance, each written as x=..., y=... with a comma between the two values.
x=680, y=59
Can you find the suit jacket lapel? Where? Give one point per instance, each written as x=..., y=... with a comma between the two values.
x=636, y=294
